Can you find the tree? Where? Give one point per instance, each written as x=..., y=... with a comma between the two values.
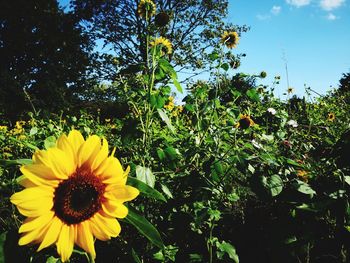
x=345, y=83
x=43, y=55
x=193, y=27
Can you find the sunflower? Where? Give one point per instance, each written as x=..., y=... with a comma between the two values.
x=146, y=8
x=165, y=44
x=290, y=90
x=245, y=121
x=73, y=193
x=331, y=116
x=230, y=39
x=162, y=19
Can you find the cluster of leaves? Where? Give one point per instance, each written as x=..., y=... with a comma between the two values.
x=215, y=190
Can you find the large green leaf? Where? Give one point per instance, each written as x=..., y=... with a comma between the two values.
x=347, y=179
x=135, y=256
x=144, y=227
x=227, y=248
x=273, y=184
x=144, y=174
x=166, y=119
x=145, y=189
x=304, y=188
x=15, y=162
x=177, y=85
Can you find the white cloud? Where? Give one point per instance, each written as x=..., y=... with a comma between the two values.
x=263, y=17
x=276, y=10
x=331, y=17
x=298, y=3
x=331, y=4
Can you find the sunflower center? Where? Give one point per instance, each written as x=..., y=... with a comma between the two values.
x=231, y=39
x=244, y=123
x=79, y=197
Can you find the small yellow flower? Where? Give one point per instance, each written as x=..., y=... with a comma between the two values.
x=165, y=44
x=302, y=175
x=73, y=194
x=245, y=121
x=19, y=124
x=3, y=128
x=331, y=116
x=230, y=39
x=146, y=8
x=169, y=106
x=22, y=137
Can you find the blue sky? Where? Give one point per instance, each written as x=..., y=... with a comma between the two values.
x=313, y=35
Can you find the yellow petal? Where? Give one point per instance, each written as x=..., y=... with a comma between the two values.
x=64, y=144
x=56, y=160
x=25, y=182
x=35, y=194
x=52, y=233
x=33, y=236
x=35, y=208
x=85, y=238
x=88, y=151
x=121, y=193
x=31, y=223
x=76, y=140
x=101, y=156
x=41, y=157
x=40, y=174
x=108, y=226
x=110, y=171
x=61, y=163
x=65, y=242
x=115, y=209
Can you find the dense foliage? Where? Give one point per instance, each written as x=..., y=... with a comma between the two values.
x=229, y=174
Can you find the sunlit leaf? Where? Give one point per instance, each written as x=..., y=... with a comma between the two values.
x=145, y=189
x=144, y=227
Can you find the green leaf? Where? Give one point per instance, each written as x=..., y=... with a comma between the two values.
x=50, y=142
x=214, y=55
x=15, y=162
x=225, y=247
x=33, y=131
x=135, y=256
x=166, y=191
x=292, y=162
x=304, y=188
x=171, y=153
x=347, y=179
x=166, y=119
x=2, y=241
x=157, y=101
x=189, y=107
x=145, y=175
x=251, y=168
x=145, y=189
x=177, y=85
x=253, y=95
x=52, y=260
x=144, y=227
x=273, y=184
x=218, y=167
x=225, y=66
x=161, y=154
